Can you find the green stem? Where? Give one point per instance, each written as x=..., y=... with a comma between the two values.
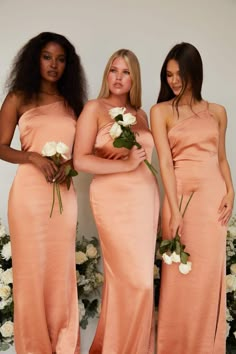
x=187, y=204
x=151, y=168
x=53, y=199
x=59, y=197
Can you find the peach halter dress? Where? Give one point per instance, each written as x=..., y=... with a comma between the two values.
x=43, y=248
x=191, y=316
x=126, y=209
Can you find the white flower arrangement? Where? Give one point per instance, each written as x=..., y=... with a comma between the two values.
x=6, y=300
x=231, y=284
x=89, y=279
x=89, y=282
x=56, y=151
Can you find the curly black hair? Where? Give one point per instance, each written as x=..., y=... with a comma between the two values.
x=25, y=75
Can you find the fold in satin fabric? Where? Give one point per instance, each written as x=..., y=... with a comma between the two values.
x=45, y=293
x=191, y=318
x=126, y=208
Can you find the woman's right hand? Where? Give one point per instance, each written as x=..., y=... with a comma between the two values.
x=45, y=165
x=135, y=157
x=176, y=224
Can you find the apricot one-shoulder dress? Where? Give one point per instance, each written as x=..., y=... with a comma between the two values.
x=191, y=317
x=126, y=208
x=44, y=278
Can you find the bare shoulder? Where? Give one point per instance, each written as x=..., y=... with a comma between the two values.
x=161, y=110
x=13, y=99
x=218, y=111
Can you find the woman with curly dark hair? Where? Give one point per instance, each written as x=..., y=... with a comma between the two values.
x=47, y=91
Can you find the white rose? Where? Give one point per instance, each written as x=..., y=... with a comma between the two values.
x=88, y=288
x=6, y=251
x=83, y=280
x=156, y=272
x=232, y=230
x=6, y=277
x=99, y=308
x=228, y=315
x=91, y=251
x=80, y=257
x=167, y=259
x=7, y=329
x=5, y=291
x=62, y=149
x=115, y=131
x=233, y=268
x=2, y=231
x=49, y=149
x=230, y=283
x=128, y=119
x=185, y=268
x=81, y=309
x=114, y=112
x=4, y=303
x=99, y=278
x=235, y=334
x=175, y=257
x=227, y=329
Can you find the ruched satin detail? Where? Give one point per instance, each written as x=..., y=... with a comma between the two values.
x=126, y=208
x=43, y=249
x=191, y=316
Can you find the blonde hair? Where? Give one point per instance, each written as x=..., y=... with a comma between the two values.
x=134, y=68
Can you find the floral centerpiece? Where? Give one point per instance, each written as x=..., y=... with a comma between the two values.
x=6, y=301
x=89, y=278
x=231, y=286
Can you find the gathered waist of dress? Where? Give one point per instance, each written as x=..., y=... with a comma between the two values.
x=198, y=168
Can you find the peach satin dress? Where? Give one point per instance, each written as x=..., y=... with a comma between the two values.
x=191, y=318
x=126, y=209
x=43, y=248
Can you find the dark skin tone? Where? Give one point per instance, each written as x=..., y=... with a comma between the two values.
x=52, y=65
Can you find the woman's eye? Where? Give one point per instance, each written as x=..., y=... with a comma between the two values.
x=62, y=60
x=46, y=56
x=112, y=70
x=126, y=72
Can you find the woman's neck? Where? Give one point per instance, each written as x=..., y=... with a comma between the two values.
x=118, y=101
x=49, y=89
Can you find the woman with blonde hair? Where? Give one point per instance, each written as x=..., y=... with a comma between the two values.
x=125, y=203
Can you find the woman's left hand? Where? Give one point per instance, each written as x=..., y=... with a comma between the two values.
x=60, y=176
x=225, y=209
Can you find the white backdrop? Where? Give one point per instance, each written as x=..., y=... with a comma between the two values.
x=149, y=28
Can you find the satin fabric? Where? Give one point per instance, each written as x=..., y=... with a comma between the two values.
x=126, y=208
x=43, y=248
x=191, y=318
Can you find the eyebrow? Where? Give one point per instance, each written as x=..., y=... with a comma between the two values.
x=48, y=52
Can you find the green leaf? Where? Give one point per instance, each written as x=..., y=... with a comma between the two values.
x=184, y=257
x=165, y=243
x=119, y=117
x=119, y=143
x=68, y=182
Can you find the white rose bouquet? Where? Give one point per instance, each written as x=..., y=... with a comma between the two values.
x=231, y=285
x=122, y=134
x=6, y=300
x=89, y=278
x=173, y=251
x=56, y=151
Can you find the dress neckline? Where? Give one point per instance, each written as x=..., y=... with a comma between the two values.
x=37, y=107
x=194, y=115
